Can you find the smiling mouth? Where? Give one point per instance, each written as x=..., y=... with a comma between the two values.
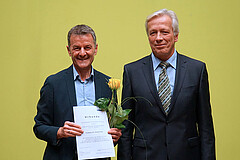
x=160, y=45
x=82, y=59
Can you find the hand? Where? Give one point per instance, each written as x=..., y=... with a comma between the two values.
x=69, y=129
x=116, y=134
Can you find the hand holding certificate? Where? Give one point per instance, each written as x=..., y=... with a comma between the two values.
x=95, y=142
x=69, y=129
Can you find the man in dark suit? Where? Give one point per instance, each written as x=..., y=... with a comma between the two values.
x=78, y=85
x=175, y=122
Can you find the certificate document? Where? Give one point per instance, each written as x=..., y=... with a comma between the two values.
x=95, y=142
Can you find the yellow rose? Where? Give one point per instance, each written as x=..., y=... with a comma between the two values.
x=114, y=83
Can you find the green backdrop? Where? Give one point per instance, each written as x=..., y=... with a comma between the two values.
x=33, y=46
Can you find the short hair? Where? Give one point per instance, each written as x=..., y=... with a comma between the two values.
x=163, y=12
x=82, y=30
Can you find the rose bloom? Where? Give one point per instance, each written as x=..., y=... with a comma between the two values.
x=114, y=83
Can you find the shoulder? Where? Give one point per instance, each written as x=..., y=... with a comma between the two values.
x=189, y=60
x=100, y=74
x=194, y=66
x=139, y=62
x=60, y=75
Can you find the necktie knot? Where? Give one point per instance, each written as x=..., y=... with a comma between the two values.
x=164, y=65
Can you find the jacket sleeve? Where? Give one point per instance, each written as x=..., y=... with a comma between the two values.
x=125, y=142
x=44, y=128
x=205, y=122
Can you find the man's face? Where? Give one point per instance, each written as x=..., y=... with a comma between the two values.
x=161, y=37
x=82, y=51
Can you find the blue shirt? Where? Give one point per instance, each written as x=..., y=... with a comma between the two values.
x=171, y=70
x=85, y=90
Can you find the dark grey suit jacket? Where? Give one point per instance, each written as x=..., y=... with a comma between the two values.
x=186, y=133
x=55, y=106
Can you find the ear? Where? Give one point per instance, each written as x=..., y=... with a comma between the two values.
x=176, y=38
x=96, y=48
x=68, y=49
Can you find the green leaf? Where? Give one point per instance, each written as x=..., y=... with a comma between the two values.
x=102, y=103
x=119, y=118
x=119, y=109
x=115, y=113
x=126, y=112
x=119, y=126
x=112, y=109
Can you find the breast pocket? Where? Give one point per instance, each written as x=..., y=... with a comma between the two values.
x=187, y=99
x=189, y=90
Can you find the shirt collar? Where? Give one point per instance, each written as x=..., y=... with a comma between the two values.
x=172, y=60
x=76, y=75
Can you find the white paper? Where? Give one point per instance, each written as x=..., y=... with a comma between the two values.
x=95, y=142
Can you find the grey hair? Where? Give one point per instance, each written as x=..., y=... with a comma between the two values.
x=162, y=12
x=81, y=30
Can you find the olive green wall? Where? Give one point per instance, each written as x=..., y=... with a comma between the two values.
x=33, y=46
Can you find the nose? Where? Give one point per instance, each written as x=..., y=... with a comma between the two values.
x=82, y=52
x=159, y=37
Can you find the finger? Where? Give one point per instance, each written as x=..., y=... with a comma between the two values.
x=115, y=131
x=116, y=134
x=77, y=132
x=71, y=124
x=114, y=137
x=115, y=141
x=69, y=133
x=73, y=127
x=72, y=133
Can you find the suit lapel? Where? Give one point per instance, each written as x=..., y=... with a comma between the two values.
x=149, y=76
x=70, y=86
x=97, y=83
x=180, y=74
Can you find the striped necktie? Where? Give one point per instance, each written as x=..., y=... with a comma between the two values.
x=164, y=90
